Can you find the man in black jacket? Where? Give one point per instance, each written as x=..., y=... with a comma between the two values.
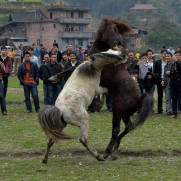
x=51, y=69
x=46, y=60
x=72, y=63
x=159, y=73
x=175, y=78
x=132, y=62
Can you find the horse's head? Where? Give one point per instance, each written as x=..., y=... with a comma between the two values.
x=111, y=35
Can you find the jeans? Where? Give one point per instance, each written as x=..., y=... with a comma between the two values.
x=5, y=82
x=168, y=99
x=160, y=97
x=2, y=99
x=176, y=97
x=109, y=102
x=31, y=87
x=53, y=91
x=46, y=94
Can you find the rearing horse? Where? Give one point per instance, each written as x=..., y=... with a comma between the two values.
x=72, y=102
x=127, y=98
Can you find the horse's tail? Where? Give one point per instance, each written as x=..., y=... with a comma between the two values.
x=52, y=123
x=147, y=102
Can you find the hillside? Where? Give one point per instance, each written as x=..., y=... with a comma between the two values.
x=118, y=8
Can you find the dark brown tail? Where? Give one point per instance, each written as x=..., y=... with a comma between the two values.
x=145, y=111
x=52, y=123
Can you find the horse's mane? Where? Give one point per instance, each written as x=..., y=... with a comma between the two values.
x=107, y=23
x=87, y=68
x=124, y=29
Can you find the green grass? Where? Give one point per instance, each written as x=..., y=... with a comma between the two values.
x=14, y=82
x=152, y=152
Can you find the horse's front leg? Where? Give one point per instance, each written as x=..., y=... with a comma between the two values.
x=115, y=132
x=56, y=78
x=83, y=139
x=49, y=145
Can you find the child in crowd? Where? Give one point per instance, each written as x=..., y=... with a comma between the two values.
x=146, y=79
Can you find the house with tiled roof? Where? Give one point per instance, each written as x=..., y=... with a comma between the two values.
x=51, y=24
x=143, y=12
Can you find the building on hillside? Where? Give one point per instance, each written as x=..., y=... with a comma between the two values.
x=145, y=12
x=136, y=40
x=16, y=28
x=52, y=24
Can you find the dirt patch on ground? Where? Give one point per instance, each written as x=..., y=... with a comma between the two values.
x=70, y=153
x=19, y=90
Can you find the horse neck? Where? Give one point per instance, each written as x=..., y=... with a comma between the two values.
x=98, y=47
x=99, y=64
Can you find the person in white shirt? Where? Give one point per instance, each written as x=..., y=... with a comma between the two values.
x=151, y=63
x=171, y=50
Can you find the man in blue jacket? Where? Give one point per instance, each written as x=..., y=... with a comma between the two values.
x=29, y=77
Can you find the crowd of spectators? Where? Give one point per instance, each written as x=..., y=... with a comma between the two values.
x=164, y=73
x=34, y=63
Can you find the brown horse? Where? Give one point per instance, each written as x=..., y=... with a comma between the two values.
x=127, y=98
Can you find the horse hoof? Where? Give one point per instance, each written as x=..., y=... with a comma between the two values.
x=100, y=158
x=44, y=161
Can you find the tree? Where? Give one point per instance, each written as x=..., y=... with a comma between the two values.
x=164, y=33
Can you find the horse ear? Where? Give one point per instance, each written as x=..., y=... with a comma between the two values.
x=123, y=28
x=104, y=22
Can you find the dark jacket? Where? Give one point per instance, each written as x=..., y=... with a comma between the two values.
x=148, y=83
x=42, y=69
x=68, y=65
x=175, y=75
x=158, y=71
x=132, y=65
x=166, y=78
x=22, y=72
x=50, y=70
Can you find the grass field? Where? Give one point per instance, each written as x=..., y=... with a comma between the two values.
x=152, y=152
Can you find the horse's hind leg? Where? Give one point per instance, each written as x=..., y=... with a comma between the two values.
x=49, y=145
x=83, y=139
x=128, y=128
x=115, y=131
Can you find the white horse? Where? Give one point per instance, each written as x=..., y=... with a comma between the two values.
x=72, y=102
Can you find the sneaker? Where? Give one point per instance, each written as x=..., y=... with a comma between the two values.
x=28, y=111
x=4, y=112
x=158, y=112
x=109, y=110
x=168, y=113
